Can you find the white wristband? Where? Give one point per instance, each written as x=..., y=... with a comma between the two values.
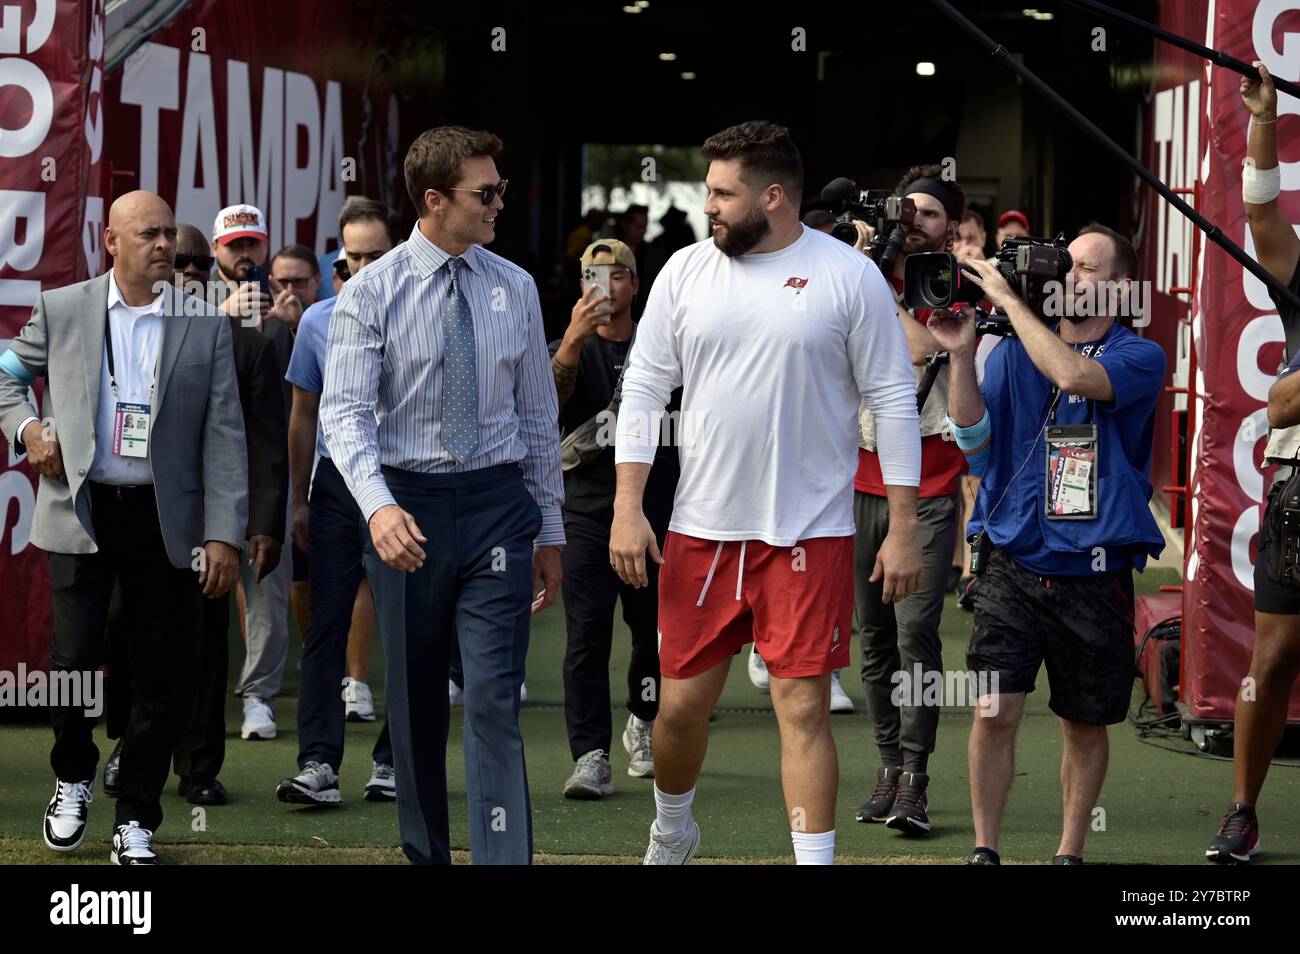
x=1259, y=186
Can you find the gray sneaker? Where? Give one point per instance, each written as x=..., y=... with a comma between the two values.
x=382, y=786
x=675, y=850
x=636, y=739
x=591, y=777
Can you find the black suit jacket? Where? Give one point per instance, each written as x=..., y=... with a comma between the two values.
x=261, y=379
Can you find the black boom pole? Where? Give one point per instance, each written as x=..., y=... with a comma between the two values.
x=1212, y=231
x=1217, y=57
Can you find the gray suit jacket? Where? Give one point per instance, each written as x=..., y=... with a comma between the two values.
x=196, y=446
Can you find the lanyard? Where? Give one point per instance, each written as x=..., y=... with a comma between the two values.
x=108, y=345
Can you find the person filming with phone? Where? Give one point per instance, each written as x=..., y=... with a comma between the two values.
x=1063, y=421
x=587, y=363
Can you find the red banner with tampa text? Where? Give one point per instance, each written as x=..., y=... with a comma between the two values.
x=225, y=103
x=1197, y=133
x=51, y=219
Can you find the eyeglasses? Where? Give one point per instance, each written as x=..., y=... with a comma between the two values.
x=295, y=282
x=487, y=193
x=202, y=262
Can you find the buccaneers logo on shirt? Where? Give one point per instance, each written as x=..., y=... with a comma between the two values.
x=795, y=283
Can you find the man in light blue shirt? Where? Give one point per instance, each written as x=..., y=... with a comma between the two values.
x=327, y=524
x=440, y=412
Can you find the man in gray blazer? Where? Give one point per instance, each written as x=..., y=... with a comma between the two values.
x=143, y=473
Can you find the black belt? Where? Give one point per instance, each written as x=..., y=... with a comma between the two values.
x=123, y=491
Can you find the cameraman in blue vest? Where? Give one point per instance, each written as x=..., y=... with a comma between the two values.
x=1061, y=428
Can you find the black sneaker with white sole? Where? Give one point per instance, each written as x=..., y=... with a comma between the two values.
x=1238, y=837
x=316, y=784
x=65, y=816
x=881, y=803
x=909, y=812
x=132, y=845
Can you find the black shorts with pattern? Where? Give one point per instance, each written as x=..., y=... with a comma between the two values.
x=1081, y=626
x=1271, y=595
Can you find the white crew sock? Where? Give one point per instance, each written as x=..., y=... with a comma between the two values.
x=673, y=812
x=813, y=848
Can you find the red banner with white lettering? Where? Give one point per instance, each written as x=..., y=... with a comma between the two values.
x=222, y=105
x=51, y=150
x=1196, y=132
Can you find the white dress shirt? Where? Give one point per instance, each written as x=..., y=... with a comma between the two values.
x=137, y=343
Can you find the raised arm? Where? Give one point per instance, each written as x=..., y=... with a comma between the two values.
x=1276, y=244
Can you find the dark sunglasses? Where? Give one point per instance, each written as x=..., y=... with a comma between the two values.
x=202, y=262
x=341, y=270
x=487, y=193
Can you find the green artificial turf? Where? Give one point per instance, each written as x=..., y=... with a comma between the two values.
x=1160, y=807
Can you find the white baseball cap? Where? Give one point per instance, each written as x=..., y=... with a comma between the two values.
x=239, y=221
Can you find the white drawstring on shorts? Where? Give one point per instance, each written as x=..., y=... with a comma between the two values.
x=740, y=574
x=717, y=555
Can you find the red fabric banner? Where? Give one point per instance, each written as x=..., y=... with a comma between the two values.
x=220, y=106
x=51, y=220
x=1198, y=129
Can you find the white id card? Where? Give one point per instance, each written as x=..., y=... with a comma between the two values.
x=131, y=430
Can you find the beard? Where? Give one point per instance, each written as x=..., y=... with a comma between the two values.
x=743, y=235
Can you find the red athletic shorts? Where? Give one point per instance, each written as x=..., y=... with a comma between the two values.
x=794, y=603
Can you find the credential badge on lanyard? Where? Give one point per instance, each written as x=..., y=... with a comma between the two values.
x=1071, y=462
x=130, y=421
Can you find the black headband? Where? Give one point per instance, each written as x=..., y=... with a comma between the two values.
x=942, y=191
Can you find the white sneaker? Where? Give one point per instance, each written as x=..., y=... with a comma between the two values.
x=672, y=850
x=358, y=703
x=840, y=701
x=65, y=816
x=591, y=778
x=636, y=739
x=259, y=723
x=758, y=672
x=316, y=784
x=382, y=786
x=132, y=845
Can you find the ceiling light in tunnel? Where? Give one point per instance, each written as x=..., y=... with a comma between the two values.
x=667, y=57
x=924, y=69
x=631, y=8
x=688, y=75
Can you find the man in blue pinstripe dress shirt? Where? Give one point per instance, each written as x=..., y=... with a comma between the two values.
x=440, y=412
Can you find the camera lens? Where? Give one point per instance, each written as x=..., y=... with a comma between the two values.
x=846, y=232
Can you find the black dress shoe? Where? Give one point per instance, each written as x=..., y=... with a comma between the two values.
x=201, y=792
x=112, y=771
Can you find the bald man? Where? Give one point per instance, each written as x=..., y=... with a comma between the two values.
x=201, y=727
x=157, y=507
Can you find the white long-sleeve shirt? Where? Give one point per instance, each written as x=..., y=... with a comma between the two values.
x=773, y=351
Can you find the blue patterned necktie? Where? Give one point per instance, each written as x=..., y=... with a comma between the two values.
x=460, y=433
